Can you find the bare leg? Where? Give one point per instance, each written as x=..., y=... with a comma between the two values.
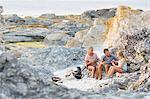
x=106, y=68
x=96, y=72
x=92, y=69
x=100, y=71
x=114, y=69
x=111, y=71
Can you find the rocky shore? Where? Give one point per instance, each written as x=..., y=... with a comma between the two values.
x=33, y=49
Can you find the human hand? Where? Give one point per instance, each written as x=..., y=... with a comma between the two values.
x=103, y=62
x=113, y=63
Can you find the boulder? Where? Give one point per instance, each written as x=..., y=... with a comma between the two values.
x=102, y=13
x=14, y=19
x=73, y=43
x=94, y=36
x=56, y=39
x=31, y=21
x=25, y=35
x=143, y=83
x=53, y=58
x=71, y=27
x=48, y=16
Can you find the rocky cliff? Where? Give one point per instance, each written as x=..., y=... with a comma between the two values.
x=25, y=73
x=129, y=31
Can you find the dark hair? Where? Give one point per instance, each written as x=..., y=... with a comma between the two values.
x=105, y=50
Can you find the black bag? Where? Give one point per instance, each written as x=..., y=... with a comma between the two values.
x=77, y=73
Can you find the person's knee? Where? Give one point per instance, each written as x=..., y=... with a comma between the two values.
x=93, y=68
x=112, y=67
x=100, y=65
x=107, y=66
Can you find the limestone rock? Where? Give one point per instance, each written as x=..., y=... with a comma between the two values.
x=22, y=35
x=102, y=13
x=14, y=19
x=131, y=38
x=53, y=58
x=71, y=27
x=143, y=83
x=56, y=39
x=48, y=16
x=94, y=36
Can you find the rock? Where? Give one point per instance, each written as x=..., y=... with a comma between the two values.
x=77, y=41
x=48, y=16
x=102, y=13
x=25, y=35
x=94, y=36
x=31, y=21
x=143, y=83
x=56, y=39
x=19, y=81
x=14, y=19
x=46, y=22
x=1, y=17
x=131, y=38
x=73, y=43
x=80, y=35
x=53, y=58
x=70, y=27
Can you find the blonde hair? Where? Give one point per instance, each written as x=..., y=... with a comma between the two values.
x=90, y=48
x=120, y=53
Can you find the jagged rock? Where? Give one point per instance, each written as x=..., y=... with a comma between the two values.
x=53, y=58
x=143, y=83
x=73, y=43
x=132, y=38
x=31, y=20
x=19, y=81
x=70, y=27
x=48, y=16
x=102, y=13
x=94, y=36
x=1, y=17
x=56, y=39
x=14, y=19
x=28, y=35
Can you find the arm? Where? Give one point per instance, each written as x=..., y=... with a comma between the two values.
x=102, y=61
x=120, y=63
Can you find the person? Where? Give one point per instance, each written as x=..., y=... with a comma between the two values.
x=121, y=67
x=91, y=61
x=106, y=61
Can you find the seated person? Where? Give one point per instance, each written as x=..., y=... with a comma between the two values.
x=106, y=61
x=91, y=60
x=121, y=67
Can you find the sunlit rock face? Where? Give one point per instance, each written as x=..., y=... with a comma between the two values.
x=115, y=23
x=130, y=32
x=92, y=36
